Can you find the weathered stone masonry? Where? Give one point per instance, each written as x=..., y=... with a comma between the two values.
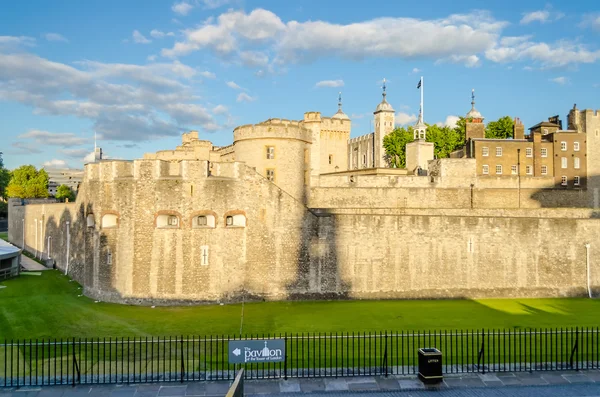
x=288, y=251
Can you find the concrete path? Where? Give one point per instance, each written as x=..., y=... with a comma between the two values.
x=582, y=383
x=30, y=265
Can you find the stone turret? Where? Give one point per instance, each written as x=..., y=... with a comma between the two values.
x=385, y=120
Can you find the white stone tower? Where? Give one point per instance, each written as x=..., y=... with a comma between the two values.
x=419, y=152
x=385, y=120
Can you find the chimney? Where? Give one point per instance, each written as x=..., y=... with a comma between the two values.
x=518, y=129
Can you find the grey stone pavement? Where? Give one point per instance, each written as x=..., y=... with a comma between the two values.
x=31, y=265
x=582, y=383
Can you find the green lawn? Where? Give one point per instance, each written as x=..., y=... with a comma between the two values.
x=4, y=236
x=49, y=306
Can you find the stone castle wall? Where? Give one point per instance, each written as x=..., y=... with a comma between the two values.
x=369, y=247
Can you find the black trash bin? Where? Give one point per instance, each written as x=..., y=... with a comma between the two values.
x=430, y=365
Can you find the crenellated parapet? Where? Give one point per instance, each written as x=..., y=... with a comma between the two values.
x=331, y=124
x=362, y=138
x=274, y=129
x=119, y=170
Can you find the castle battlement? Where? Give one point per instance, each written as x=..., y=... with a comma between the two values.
x=328, y=123
x=109, y=171
x=273, y=128
x=362, y=138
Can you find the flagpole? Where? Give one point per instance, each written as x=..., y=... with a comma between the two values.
x=422, y=116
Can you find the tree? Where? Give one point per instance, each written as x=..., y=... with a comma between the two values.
x=4, y=178
x=27, y=182
x=500, y=129
x=395, y=146
x=64, y=192
x=445, y=139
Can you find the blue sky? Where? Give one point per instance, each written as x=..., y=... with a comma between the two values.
x=139, y=73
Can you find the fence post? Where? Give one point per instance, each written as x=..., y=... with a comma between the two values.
x=285, y=355
x=385, y=355
x=482, y=352
x=574, y=350
x=76, y=366
x=182, y=361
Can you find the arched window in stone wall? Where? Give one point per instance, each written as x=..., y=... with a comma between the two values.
x=167, y=220
x=110, y=220
x=235, y=218
x=203, y=220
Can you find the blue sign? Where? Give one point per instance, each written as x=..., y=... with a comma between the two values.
x=256, y=351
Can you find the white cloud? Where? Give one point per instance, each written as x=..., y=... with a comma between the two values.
x=90, y=157
x=449, y=122
x=151, y=58
x=55, y=37
x=330, y=83
x=416, y=70
x=254, y=58
x=182, y=8
x=405, y=118
x=212, y=4
x=207, y=74
x=541, y=16
x=220, y=109
x=157, y=34
x=44, y=138
x=55, y=163
x=591, y=20
x=140, y=38
x=25, y=148
x=123, y=101
x=558, y=54
x=243, y=97
x=469, y=61
x=233, y=85
x=562, y=80
x=16, y=41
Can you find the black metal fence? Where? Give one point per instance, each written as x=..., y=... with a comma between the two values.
x=182, y=359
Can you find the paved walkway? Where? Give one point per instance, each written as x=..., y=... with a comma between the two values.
x=30, y=265
x=572, y=383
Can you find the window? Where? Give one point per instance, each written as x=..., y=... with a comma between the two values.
x=545, y=131
x=563, y=180
x=576, y=146
x=204, y=255
x=109, y=258
x=109, y=220
x=498, y=152
x=270, y=152
x=90, y=220
x=544, y=152
x=331, y=159
x=271, y=174
x=237, y=220
x=203, y=221
x=544, y=170
x=498, y=170
x=364, y=159
x=529, y=152
x=563, y=162
x=576, y=163
x=576, y=180
x=167, y=221
x=563, y=146
x=486, y=169
x=485, y=151
x=173, y=220
x=529, y=170
x=513, y=169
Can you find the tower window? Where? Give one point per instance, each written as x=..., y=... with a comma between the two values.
x=204, y=255
x=202, y=221
x=331, y=159
x=229, y=221
x=498, y=170
x=544, y=169
x=271, y=174
x=173, y=220
x=270, y=152
x=563, y=146
x=499, y=152
x=544, y=152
